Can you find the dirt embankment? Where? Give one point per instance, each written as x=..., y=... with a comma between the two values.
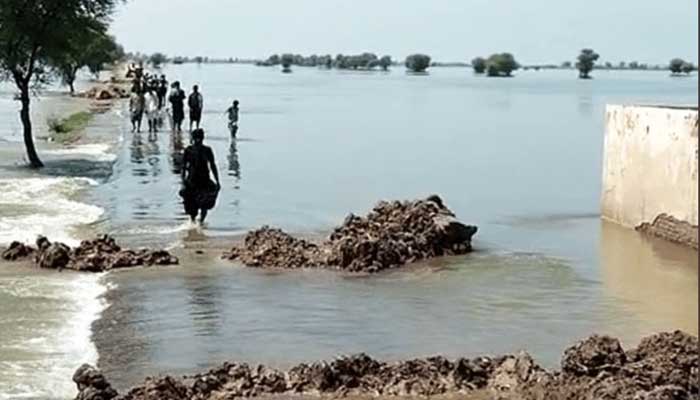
x=101, y=254
x=393, y=234
x=99, y=98
x=663, y=366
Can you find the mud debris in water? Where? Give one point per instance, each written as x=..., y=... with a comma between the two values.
x=101, y=254
x=663, y=366
x=391, y=235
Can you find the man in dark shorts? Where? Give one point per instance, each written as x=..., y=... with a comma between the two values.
x=162, y=90
x=196, y=103
x=177, y=100
x=199, y=193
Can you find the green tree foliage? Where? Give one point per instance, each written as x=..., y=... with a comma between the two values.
x=157, y=59
x=502, y=64
x=676, y=65
x=33, y=33
x=633, y=65
x=89, y=47
x=687, y=68
x=479, y=65
x=274, y=59
x=418, y=62
x=287, y=60
x=566, y=64
x=586, y=62
x=385, y=62
x=365, y=61
x=357, y=61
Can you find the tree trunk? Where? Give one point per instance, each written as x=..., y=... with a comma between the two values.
x=34, y=160
x=72, y=88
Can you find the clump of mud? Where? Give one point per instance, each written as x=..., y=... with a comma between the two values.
x=391, y=235
x=663, y=366
x=101, y=254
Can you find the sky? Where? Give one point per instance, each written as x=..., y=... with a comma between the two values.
x=535, y=31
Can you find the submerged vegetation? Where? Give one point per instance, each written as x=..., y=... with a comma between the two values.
x=68, y=130
x=586, y=62
x=364, y=61
x=678, y=66
x=418, y=62
x=497, y=65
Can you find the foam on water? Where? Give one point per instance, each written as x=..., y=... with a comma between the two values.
x=44, y=346
x=95, y=151
x=43, y=206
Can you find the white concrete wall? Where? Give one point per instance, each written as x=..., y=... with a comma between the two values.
x=650, y=164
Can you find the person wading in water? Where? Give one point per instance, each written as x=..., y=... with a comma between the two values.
x=196, y=104
x=233, y=118
x=177, y=100
x=199, y=192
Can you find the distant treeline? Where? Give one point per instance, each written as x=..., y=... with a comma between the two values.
x=498, y=64
x=364, y=61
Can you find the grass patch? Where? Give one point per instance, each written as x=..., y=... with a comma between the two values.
x=67, y=130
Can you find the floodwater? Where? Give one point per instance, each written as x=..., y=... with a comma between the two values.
x=521, y=158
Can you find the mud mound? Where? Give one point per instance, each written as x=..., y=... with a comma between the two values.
x=101, y=254
x=593, y=356
x=274, y=248
x=663, y=366
x=105, y=92
x=16, y=251
x=391, y=235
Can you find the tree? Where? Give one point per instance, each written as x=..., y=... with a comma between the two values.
x=687, y=67
x=608, y=65
x=623, y=65
x=91, y=49
x=566, y=64
x=418, y=62
x=479, y=65
x=586, y=62
x=502, y=64
x=676, y=65
x=32, y=34
x=156, y=59
x=633, y=65
x=385, y=62
x=287, y=60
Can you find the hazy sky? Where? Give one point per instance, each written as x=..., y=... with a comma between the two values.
x=650, y=31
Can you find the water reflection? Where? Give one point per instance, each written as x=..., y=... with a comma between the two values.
x=655, y=279
x=176, y=149
x=585, y=104
x=136, y=149
x=204, y=304
x=234, y=167
x=152, y=150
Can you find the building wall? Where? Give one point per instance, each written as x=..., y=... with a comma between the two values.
x=650, y=164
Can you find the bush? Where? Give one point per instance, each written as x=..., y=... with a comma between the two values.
x=502, y=64
x=418, y=62
x=67, y=130
x=687, y=67
x=479, y=65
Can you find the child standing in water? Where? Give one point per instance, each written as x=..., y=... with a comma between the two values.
x=233, y=118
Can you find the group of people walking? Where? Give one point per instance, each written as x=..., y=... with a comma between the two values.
x=148, y=95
